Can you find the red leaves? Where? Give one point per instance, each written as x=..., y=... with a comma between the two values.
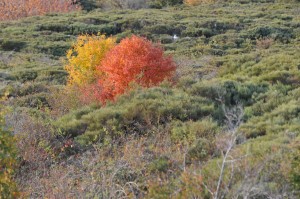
x=134, y=61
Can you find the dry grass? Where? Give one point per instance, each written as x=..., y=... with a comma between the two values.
x=16, y=9
x=264, y=43
x=197, y=2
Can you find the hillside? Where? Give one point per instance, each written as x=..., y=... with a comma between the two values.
x=229, y=127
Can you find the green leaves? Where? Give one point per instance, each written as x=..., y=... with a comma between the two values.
x=7, y=161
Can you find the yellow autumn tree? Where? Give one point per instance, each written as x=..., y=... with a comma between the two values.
x=84, y=56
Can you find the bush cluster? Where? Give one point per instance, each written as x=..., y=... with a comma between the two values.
x=102, y=71
x=134, y=113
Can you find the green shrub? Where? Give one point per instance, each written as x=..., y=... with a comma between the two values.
x=37, y=101
x=159, y=191
x=53, y=76
x=283, y=116
x=72, y=124
x=126, y=174
x=166, y=39
x=195, y=32
x=54, y=48
x=226, y=41
x=132, y=24
x=192, y=131
x=92, y=20
x=26, y=75
x=281, y=34
x=250, y=132
x=231, y=92
x=163, y=29
x=160, y=165
x=8, y=161
x=31, y=88
x=192, y=31
x=163, y=3
x=89, y=4
x=295, y=171
x=200, y=150
x=54, y=27
x=135, y=113
x=6, y=76
x=12, y=45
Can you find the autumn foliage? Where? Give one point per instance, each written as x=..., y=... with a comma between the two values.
x=15, y=9
x=135, y=61
x=84, y=56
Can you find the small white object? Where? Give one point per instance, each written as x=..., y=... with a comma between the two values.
x=175, y=37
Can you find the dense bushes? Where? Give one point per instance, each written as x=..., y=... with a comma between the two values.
x=134, y=113
x=9, y=45
x=127, y=4
x=281, y=34
x=103, y=71
x=191, y=131
x=163, y=3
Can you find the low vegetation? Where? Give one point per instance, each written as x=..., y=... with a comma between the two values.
x=219, y=117
x=8, y=161
x=102, y=70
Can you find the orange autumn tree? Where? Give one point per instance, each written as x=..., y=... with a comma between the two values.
x=15, y=9
x=135, y=60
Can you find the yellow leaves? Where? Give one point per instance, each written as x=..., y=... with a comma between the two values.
x=84, y=56
x=101, y=70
